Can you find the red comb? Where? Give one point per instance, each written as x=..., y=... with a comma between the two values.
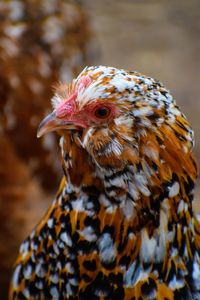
x=67, y=107
x=83, y=82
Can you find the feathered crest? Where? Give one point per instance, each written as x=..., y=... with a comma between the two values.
x=62, y=92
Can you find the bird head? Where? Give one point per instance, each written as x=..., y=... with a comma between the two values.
x=114, y=121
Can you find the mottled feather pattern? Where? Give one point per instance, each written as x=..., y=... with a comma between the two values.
x=122, y=225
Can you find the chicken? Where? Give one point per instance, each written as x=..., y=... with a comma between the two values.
x=122, y=224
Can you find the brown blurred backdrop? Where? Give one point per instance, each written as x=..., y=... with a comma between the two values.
x=45, y=41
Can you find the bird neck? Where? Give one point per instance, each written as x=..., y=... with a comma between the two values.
x=151, y=198
x=142, y=189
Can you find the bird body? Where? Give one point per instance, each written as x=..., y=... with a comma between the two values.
x=122, y=224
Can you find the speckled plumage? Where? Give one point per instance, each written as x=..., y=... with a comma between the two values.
x=122, y=224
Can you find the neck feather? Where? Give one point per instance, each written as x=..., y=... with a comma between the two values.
x=164, y=172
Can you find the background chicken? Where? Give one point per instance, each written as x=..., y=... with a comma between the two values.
x=40, y=42
x=122, y=225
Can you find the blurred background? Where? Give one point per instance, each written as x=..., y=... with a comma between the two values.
x=46, y=41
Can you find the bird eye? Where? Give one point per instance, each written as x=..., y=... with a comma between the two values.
x=102, y=112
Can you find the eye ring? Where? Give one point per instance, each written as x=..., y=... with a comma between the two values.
x=102, y=112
